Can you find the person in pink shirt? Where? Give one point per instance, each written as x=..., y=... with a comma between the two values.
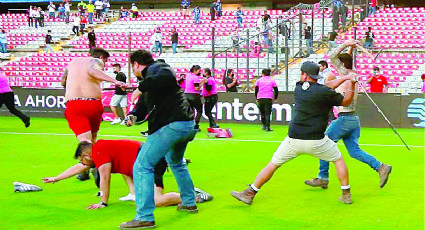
x=265, y=91
x=182, y=81
x=192, y=92
x=7, y=97
x=209, y=92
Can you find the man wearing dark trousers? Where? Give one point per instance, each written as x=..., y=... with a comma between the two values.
x=265, y=91
x=92, y=39
x=192, y=92
x=171, y=128
x=7, y=97
x=209, y=92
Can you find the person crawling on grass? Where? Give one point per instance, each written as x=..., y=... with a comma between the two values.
x=118, y=156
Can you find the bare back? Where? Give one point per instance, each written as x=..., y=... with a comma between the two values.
x=79, y=82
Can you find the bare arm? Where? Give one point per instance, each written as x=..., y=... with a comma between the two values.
x=385, y=89
x=95, y=70
x=331, y=76
x=105, y=182
x=338, y=65
x=64, y=77
x=72, y=171
x=337, y=82
x=369, y=80
x=136, y=94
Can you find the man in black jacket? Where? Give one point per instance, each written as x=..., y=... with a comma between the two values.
x=171, y=128
x=92, y=38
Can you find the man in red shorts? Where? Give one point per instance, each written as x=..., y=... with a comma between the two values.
x=118, y=156
x=84, y=107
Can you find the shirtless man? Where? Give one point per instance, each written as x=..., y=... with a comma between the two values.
x=84, y=107
x=347, y=125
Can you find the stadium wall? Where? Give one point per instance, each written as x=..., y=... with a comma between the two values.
x=404, y=111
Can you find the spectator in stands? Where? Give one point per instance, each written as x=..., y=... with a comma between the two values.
x=197, y=15
x=42, y=16
x=174, y=39
x=239, y=14
x=7, y=97
x=265, y=92
x=123, y=12
x=134, y=10
x=257, y=40
x=209, y=93
x=218, y=8
x=193, y=92
x=120, y=96
x=92, y=38
x=52, y=9
x=76, y=24
x=90, y=11
x=230, y=81
x=331, y=40
x=106, y=6
x=369, y=38
x=266, y=14
x=343, y=12
x=235, y=40
x=67, y=7
x=82, y=6
x=49, y=40
x=3, y=42
x=157, y=38
x=335, y=14
x=373, y=5
x=325, y=72
x=378, y=83
x=99, y=8
x=212, y=11
x=309, y=40
x=61, y=11
x=185, y=6
x=423, y=84
x=83, y=24
x=31, y=16
x=36, y=16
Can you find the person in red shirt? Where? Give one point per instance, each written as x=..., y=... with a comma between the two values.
x=373, y=6
x=118, y=156
x=378, y=83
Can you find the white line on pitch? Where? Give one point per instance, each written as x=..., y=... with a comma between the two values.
x=201, y=139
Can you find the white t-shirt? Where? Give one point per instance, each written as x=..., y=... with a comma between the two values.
x=36, y=14
x=67, y=7
x=51, y=8
x=77, y=21
x=98, y=5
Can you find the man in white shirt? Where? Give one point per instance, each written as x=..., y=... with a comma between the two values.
x=325, y=72
x=76, y=24
x=51, y=7
x=99, y=8
x=67, y=11
x=157, y=38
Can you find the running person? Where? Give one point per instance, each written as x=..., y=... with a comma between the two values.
x=192, y=92
x=118, y=156
x=265, y=92
x=209, y=92
x=7, y=97
x=347, y=125
x=313, y=102
x=84, y=107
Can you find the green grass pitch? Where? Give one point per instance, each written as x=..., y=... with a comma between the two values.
x=219, y=166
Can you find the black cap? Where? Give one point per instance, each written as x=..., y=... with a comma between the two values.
x=311, y=69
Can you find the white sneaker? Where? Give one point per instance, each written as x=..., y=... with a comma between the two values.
x=116, y=121
x=123, y=122
x=129, y=197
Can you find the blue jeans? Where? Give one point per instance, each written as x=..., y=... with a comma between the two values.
x=347, y=128
x=90, y=18
x=239, y=20
x=3, y=48
x=174, y=46
x=170, y=142
x=309, y=43
x=197, y=19
x=158, y=46
x=372, y=10
x=48, y=47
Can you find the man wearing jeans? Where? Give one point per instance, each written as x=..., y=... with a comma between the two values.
x=174, y=40
x=347, y=126
x=171, y=128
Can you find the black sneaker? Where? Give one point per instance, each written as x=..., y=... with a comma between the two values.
x=83, y=176
x=268, y=129
x=26, y=122
x=197, y=128
x=144, y=133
